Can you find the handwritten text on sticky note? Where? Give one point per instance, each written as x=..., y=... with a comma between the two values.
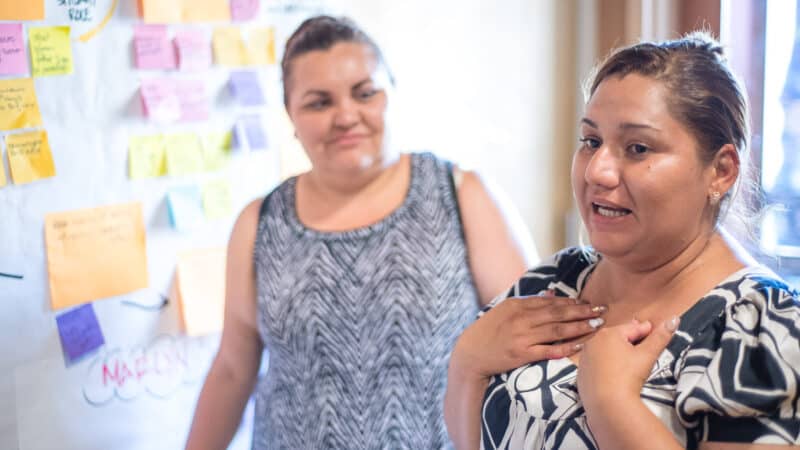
x=13, y=58
x=51, y=51
x=79, y=331
x=152, y=47
x=18, y=105
x=29, y=156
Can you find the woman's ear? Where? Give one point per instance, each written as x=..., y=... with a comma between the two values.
x=724, y=169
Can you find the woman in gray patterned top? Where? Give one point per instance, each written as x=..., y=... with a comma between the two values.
x=701, y=345
x=358, y=275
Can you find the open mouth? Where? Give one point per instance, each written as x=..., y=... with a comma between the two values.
x=608, y=211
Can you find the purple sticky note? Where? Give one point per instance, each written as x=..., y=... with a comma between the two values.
x=193, y=100
x=194, y=50
x=159, y=100
x=13, y=58
x=80, y=333
x=152, y=48
x=243, y=9
x=246, y=89
x=253, y=131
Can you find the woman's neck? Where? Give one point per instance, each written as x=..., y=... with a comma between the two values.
x=344, y=185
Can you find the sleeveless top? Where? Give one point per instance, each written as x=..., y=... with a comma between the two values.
x=359, y=324
x=731, y=372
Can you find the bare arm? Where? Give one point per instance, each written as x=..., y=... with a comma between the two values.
x=235, y=369
x=499, y=245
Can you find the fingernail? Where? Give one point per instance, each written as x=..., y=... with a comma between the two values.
x=599, y=309
x=596, y=322
x=672, y=324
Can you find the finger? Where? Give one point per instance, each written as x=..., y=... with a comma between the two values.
x=562, y=331
x=561, y=312
x=565, y=349
x=635, y=331
x=657, y=340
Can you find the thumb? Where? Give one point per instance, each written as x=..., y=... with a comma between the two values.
x=657, y=341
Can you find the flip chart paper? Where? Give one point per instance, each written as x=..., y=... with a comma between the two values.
x=22, y=10
x=51, y=51
x=217, y=199
x=95, y=253
x=229, y=49
x=18, y=105
x=194, y=50
x=246, y=89
x=242, y=10
x=13, y=58
x=184, y=155
x=79, y=331
x=146, y=157
x=185, y=207
x=200, y=279
x=152, y=48
x=29, y=157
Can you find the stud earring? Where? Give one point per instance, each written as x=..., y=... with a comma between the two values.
x=714, y=198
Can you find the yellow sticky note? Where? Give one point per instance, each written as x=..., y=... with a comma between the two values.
x=184, y=155
x=229, y=49
x=3, y=180
x=206, y=11
x=161, y=11
x=216, y=150
x=217, y=200
x=261, y=46
x=29, y=157
x=18, y=105
x=200, y=288
x=146, y=158
x=95, y=253
x=22, y=10
x=51, y=52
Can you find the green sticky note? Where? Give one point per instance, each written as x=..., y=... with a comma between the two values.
x=216, y=150
x=146, y=157
x=217, y=200
x=184, y=154
x=51, y=51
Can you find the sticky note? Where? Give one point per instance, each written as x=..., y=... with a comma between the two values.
x=159, y=100
x=200, y=288
x=51, y=51
x=95, y=253
x=251, y=130
x=246, y=89
x=18, y=105
x=261, y=46
x=161, y=11
x=216, y=150
x=22, y=10
x=79, y=331
x=206, y=11
x=242, y=10
x=229, y=48
x=193, y=100
x=152, y=48
x=217, y=199
x=3, y=180
x=185, y=207
x=13, y=58
x=194, y=50
x=29, y=157
x=146, y=157
x=184, y=155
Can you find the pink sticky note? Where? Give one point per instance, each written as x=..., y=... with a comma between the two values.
x=194, y=50
x=159, y=100
x=193, y=100
x=152, y=48
x=13, y=59
x=243, y=9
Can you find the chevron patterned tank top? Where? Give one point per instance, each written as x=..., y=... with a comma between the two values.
x=359, y=324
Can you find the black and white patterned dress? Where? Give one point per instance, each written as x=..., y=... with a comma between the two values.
x=731, y=373
x=359, y=324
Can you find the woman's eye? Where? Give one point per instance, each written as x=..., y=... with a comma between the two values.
x=317, y=104
x=639, y=149
x=590, y=142
x=367, y=93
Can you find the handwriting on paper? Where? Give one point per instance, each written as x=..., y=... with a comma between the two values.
x=18, y=105
x=51, y=52
x=13, y=58
x=29, y=156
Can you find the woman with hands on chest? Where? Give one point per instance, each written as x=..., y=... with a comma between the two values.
x=698, y=346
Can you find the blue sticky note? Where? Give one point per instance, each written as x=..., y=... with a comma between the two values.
x=246, y=89
x=80, y=333
x=252, y=130
x=185, y=204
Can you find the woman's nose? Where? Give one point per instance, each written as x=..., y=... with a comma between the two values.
x=603, y=168
x=346, y=114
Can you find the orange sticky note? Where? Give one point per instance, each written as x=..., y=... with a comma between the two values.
x=261, y=46
x=29, y=157
x=229, y=48
x=22, y=10
x=206, y=11
x=95, y=253
x=161, y=11
x=18, y=105
x=200, y=280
